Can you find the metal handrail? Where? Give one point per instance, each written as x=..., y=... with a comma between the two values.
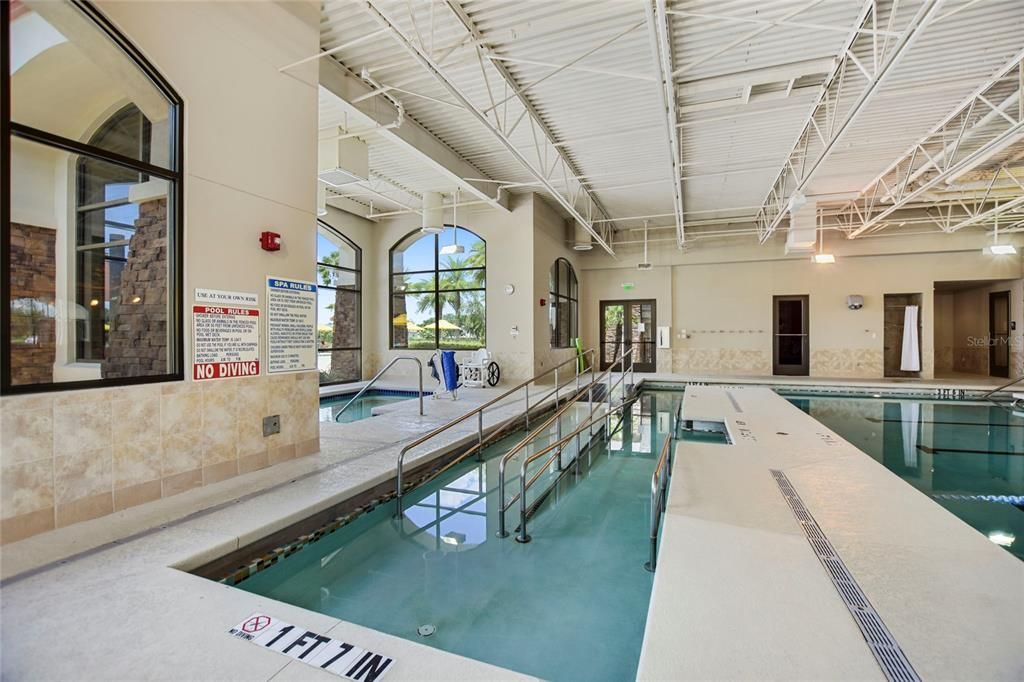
x=479, y=411
x=556, y=419
x=659, y=486
x=379, y=374
x=1003, y=387
x=524, y=485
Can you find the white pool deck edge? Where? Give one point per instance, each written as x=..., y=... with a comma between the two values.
x=146, y=619
x=740, y=594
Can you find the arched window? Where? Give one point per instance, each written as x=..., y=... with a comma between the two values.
x=564, y=305
x=438, y=290
x=92, y=205
x=105, y=223
x=339, y=309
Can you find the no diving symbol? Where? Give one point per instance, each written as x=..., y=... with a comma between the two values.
x=255, y=624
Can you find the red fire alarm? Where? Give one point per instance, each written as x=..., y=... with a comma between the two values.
x=270, y=241
x=543, y=302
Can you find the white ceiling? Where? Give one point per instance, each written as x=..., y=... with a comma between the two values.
x=747, y=74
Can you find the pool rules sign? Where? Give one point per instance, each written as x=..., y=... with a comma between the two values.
x=225, y=335
x=291, y=325
x=333, y=655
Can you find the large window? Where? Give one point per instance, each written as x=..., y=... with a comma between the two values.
x=92, y=207
x=339, y=310
x=438, y=290
x=563, y=310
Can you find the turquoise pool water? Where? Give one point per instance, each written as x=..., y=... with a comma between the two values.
x=570, y=605
x=362, y=408
x=968, y=457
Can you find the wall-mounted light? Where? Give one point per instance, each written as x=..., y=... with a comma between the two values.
x=999, y=250
x=822, y=258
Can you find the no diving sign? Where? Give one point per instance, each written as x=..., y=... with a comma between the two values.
x=341, y=658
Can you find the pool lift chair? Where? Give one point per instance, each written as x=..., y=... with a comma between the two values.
x=480, y=370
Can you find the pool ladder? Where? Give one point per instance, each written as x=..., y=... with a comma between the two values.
x=554, y=451
x=378, y=375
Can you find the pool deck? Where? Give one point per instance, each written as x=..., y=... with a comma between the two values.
x=737, y=594
x=740, y=594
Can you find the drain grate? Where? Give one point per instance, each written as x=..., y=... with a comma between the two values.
x=887, y=652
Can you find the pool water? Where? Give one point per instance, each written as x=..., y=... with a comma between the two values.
x=570, y=605
x=360, y=409
x=967, y=456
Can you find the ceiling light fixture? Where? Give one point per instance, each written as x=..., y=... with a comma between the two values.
x=644, y=264
x=822, y=258
x=451, y=249
x=997, y=249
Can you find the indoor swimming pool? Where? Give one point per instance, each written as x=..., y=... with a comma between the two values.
x=330, y=406
x=569, y=605
x=967, y=456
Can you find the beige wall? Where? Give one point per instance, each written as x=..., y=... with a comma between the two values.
x=549, y=243
x=249, y=164
x=722, y=297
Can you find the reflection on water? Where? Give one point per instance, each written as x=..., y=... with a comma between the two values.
x=570, y=605
x=967, y=457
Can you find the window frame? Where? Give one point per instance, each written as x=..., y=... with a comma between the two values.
x=358, y=290
x=175, y=204
x=557, y=295
x=436, y=291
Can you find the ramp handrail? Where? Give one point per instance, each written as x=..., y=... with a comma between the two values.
x=378, y=375
x=659, y=486
x=479, y=412
x=556, y=419
x=1002, y=388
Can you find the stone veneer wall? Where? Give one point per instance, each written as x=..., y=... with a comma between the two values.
x=77, y=455
x=138, y=336
x=33, y=282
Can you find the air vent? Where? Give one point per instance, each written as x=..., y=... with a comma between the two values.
x=887, y=652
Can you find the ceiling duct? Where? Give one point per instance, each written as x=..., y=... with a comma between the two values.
x=433, y=213
x=581, y=239
x=803, y=228
x=343, y=160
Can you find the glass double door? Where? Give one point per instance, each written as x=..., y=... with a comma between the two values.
x=625, y=325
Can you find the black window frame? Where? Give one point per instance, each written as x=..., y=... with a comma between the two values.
x=358, y=290
x=557, y=297
x=175, y=200
x=436, y=291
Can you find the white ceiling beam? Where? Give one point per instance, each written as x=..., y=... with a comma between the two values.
x=581, y=69
x=771, y=74
x=661, y=50
x=990, y=214
x=431, y=151
x=770, y=23
x=568, y=203
x=822, y=129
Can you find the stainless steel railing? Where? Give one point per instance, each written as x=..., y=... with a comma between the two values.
x=378, y=375
x=479, y=413
x=1002, y=388
x=659, y=488
x=556, y=419
x=556, y=447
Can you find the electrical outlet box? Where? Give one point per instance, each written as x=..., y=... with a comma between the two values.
x=271, y=425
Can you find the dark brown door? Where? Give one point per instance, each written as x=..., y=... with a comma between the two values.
x=790, y=336
x=999, y=334
x=625, y=325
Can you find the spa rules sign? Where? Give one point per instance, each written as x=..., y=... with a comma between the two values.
x=291, y=325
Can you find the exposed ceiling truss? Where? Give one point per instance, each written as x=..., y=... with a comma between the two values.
x=978, y=130
x=867, y=58
x=661, y=47
x=684, y=112
x=507, y=110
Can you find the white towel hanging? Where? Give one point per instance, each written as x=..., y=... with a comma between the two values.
x=911, y=360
